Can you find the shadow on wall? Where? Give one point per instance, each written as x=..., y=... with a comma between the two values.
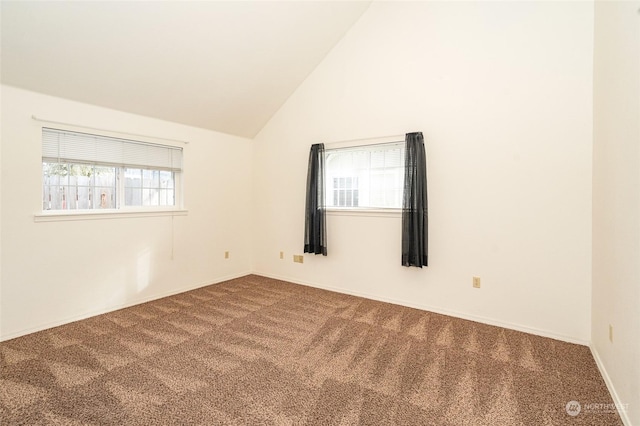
x=136, y=278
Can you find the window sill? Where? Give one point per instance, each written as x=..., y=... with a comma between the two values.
x=56, y=216
x=333, y=211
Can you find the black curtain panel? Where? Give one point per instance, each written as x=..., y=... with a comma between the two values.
x=315, y=223
x=415, y=222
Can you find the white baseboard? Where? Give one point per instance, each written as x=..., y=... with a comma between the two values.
x=424, y=307
x=435, y=309
x=93, y=313
x=612, y=390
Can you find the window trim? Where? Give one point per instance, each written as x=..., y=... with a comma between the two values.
x=364, y=211
x=178, y=209
x=73, y=215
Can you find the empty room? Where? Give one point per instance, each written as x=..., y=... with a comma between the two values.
x=320, y=213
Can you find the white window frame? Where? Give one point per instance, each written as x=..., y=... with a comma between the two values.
x=392, y=212
x=123, y=211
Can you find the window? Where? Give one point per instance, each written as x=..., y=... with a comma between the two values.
x=81, y=171
x=143, y=187
x=345, y=192
x=369, y=176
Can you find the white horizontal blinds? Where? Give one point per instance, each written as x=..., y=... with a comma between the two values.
x=64, y=146
x=387, y=155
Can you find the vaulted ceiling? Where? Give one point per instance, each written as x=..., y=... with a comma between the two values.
x=221, y=65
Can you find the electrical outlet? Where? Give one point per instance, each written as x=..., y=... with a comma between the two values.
x=298, y=258
x=610, y=333
x=476, y=282
x=226, y=254
x=281, y=255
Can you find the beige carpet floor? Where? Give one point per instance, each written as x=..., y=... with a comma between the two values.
x=258, y=351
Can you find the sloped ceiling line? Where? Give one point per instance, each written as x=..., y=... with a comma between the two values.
x=224, y=66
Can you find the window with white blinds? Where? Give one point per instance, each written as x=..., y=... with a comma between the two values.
x=63, y=146
x=84, y=171
x=365, y=177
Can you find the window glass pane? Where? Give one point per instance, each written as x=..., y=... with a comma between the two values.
x=149, y=187
x=62, y=171
x=105, y=174
x=150, y=178
x=133, y=178
x=84, y=192
x=133, y=187
x=54, y=198
x=105, y=200
x=74, y=174
x=166, y=197
x=72, y=200
x=365, y=176
x=166, y=179
x=150, y=196
x=68, y=186
x=133, y=197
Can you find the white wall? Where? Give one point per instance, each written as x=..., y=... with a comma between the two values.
x=55, y=272
x=503, y=94
x=616, y=200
